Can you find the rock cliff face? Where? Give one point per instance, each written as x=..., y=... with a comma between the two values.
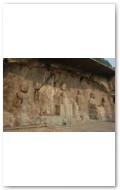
x=38, y=93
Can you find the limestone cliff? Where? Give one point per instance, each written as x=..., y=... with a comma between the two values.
x=40, y=93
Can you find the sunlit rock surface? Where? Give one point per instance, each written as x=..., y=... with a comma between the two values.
x=38, y=93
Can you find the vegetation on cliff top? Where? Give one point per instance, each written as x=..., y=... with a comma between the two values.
x=104, y=61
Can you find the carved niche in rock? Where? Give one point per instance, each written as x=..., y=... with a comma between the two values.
x=22, y=97
x=36, y=92
x=25, y=110
x=80, y=100
x=64, y=106
x=92, y=107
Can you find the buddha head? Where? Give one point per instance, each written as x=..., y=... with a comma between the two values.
x=24, y=87
x=92, y=95
x=64, y=87
x=79, y=92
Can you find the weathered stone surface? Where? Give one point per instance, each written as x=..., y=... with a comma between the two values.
x=9, y=119
x=38, y=94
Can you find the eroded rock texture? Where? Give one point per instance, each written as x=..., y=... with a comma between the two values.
x=37, y=93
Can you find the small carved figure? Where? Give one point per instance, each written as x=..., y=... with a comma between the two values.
x=17, y=101
x=92, y=101
x=65, y=106
x=80, y=100
x=103, y=102
x=101, y=109
x=36, y=92
x=101, y=112
x=104, y=107
x=22, y=97
x=93, y=114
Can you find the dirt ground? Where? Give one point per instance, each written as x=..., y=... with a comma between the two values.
x=90, y=127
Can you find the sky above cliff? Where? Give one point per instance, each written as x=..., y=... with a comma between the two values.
x=111, y=61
